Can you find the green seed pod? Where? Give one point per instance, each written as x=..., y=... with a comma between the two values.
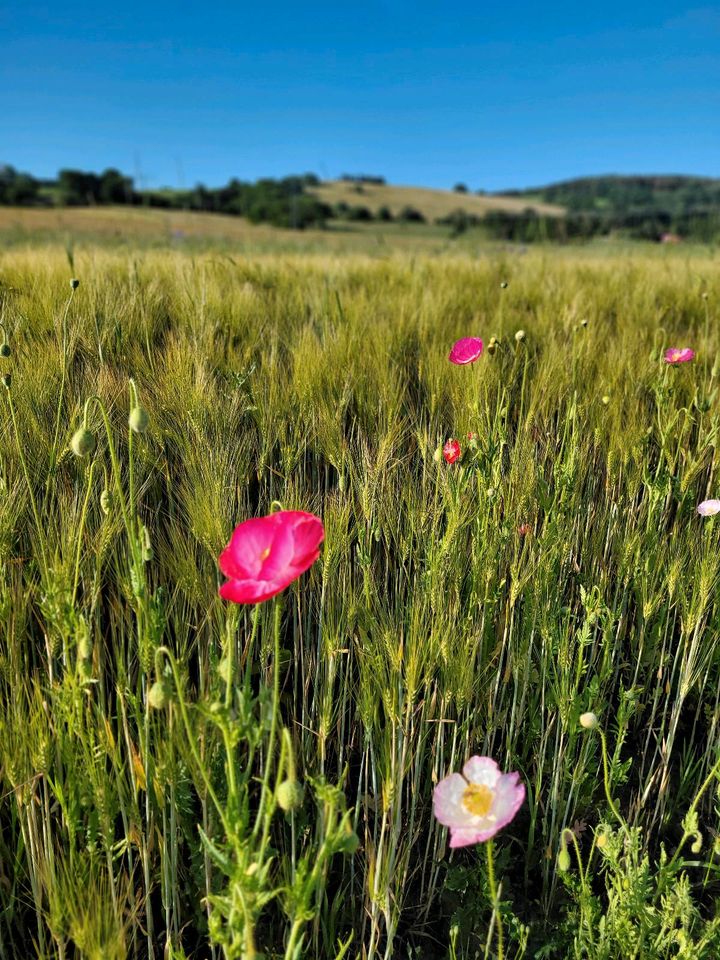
x=106, y=502
x=159, y=695
x=83, y=442
x=74, y=283
x=349, y=842
x=138, y=420
x=5, y=350
x=7, y=380
x=289, y=795
x=85, y=646
x=563, y=860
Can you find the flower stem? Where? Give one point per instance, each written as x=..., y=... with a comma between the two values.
x=494, y=896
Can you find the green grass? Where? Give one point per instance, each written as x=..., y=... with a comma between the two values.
x=429, y=630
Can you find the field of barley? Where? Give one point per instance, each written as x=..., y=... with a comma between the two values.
x=184, y=776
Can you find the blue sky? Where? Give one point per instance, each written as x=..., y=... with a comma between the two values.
x=494, y=94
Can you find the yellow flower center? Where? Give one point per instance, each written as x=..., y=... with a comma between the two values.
x=477, y=799
x=265, y=554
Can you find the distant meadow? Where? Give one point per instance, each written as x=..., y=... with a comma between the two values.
x=356, y=600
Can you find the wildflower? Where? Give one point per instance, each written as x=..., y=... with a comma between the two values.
x=266, y=554
x=708, y=508
x=588, y=720
x=478, y=802
x=451, y=451
x=678, y=355
x=466, y=350
x=520, y=336
x=524, y=529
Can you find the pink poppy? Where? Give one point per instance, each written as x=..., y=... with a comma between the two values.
x=478, y=802
x=708, y=508
x=451, y=451
x=679, y=355
x=466, y=350
x=266, y=554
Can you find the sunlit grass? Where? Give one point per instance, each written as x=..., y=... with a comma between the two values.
x=431, y=629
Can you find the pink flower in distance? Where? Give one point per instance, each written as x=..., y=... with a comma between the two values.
x=266, y=554
x=466, y=350
x=478, y=802
x=678, y=355
x=708, y=508
x=451, y=451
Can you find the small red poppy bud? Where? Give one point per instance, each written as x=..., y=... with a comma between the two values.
x=451, y=451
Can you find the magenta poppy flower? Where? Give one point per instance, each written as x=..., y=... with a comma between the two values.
x=478, y=802
x=451, y=451
x=679, y=355
x=466, y=350
x=708, y=508
x=266, y=554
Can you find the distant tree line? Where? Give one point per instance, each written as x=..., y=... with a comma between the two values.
x=283, y=203
x=647, y=208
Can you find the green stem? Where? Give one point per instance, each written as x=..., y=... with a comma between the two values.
x=165, y=652
x=266, y=806
x=83, y=517
x=493, y=894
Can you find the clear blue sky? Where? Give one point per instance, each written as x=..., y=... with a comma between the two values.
x=495, y=94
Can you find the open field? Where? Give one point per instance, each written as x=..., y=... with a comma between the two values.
x=431, y=203
x=559, y=566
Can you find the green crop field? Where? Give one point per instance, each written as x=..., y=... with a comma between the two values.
x=184, y=776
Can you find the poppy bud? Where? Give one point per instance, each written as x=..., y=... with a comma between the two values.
x=697, y=845
x=5, y=350
x=106, y=501
x=588, y=720
x=138, y=420
x=520, y=336
x=601, y=841
x=349, y=841
x=583, y=323
x=7, y=380
x=289, y=795
x=492, y=347
x=563, y=860
x=83, y=442
x=74, y=284
x=437, y=456
x=159, y=695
